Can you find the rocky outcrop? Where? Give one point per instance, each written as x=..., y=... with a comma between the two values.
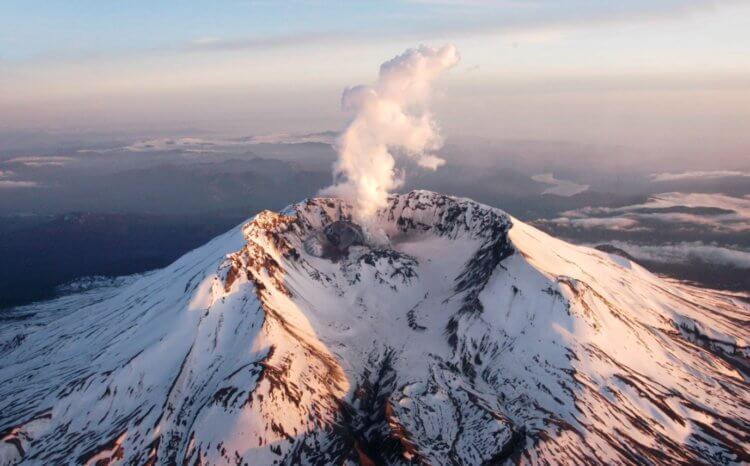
x=442, y=332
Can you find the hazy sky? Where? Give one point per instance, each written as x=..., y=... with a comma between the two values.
x=664, y=75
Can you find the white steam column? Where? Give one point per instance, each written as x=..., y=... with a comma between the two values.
x=391, y=116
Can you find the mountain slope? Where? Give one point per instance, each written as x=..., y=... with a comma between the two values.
x=449, y=334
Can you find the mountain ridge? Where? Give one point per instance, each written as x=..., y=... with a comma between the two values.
x=455, y=334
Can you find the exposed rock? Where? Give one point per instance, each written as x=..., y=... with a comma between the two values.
x=471, y=339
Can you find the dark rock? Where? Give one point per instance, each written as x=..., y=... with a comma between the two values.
x=610, y=249
x=341, y=234
x=334, y=241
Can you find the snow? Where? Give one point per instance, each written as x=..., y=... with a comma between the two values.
x=467, y=337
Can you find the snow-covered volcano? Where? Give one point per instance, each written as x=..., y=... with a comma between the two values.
x=460, y=336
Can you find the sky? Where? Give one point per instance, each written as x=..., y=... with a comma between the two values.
x=662, y=76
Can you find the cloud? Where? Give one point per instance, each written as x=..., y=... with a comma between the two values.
x=437, y=19
x=694, y=175
x=13, y=184
x=686, y=252
x=718, y=212
x=325, y=137
x=617, y=223
x=527, y=20
x=40, y=160
x=390, y=117
x=186, y=144
x=267, y=42
x=5, y=183
x=739, y=205
x=498, y=17
x=563, y=188
x=202, y=145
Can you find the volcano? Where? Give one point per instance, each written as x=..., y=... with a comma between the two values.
x=442, y=331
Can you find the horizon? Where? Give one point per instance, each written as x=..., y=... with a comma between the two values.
x=315, y=232
x=665, y=79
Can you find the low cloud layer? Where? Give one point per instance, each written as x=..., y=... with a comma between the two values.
x=697, y=175
x=201, y=144
x=717, y=212
x=559, y=187
x=587, y=223
x=13, y=184
x=391, y=118
x=41, y=160
x=687, y=252
x=6, y=181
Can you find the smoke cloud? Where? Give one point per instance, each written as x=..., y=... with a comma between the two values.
x=391, y=118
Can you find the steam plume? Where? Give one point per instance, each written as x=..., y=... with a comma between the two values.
x=390, y=117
